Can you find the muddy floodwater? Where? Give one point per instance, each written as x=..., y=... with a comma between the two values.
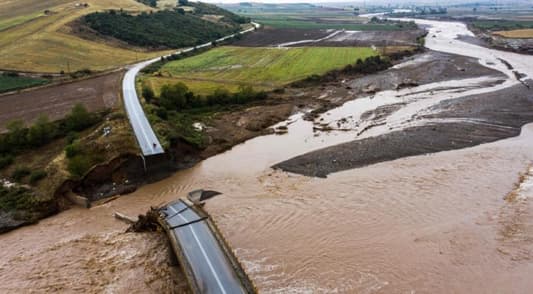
x=458, y=221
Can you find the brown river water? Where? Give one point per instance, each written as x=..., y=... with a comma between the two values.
x=450, y=222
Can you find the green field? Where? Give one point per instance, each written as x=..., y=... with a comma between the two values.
x=262, y=68
x=290, y=23
x=12, y=83
x=502, y=25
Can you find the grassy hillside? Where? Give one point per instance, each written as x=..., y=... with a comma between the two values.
x=262, y=68
x=44, y=44
x=32, y=40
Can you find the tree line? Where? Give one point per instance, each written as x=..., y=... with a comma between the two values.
x=161, y=29
x=43, y=131
x=369, y=65
x=176, y=97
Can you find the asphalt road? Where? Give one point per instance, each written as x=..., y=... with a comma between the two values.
x=144, y=133
x=212, y=271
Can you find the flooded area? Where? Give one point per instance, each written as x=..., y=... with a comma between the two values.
x=458, y=221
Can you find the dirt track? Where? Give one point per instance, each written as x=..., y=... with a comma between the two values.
x=56, y=101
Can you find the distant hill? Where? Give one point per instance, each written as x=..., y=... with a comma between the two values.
x=188, y=25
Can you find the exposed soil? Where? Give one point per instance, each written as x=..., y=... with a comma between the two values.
x=126, y=173
x=98, y=93
x=275, y=37
x=490, y=40
x=430, y=67
x=374, y=38
x=230, y=129
x=487, y=118
x=271, y=37
x=435, y=67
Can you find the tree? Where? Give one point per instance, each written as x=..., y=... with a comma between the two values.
x=79, y=118
x=16, y=136
x=41, y=132
x=148, y=93
x=183, y=2
x=174, y=97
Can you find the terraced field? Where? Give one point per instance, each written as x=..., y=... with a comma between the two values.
x=31, y=40
x=262, y=68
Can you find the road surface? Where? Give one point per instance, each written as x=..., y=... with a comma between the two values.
x=144, y=133
x=212, y=271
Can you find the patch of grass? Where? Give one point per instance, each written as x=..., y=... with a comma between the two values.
x=37, y=175
x=327, y=20
x=12, y=83
x=304, y=24
x=11, y=22
x=198, y=87
x=262, y=68
x=5, y=161
x=20, y=173
x=46, y=45
x=16, y=198
x=517, y=34
x=502, y=25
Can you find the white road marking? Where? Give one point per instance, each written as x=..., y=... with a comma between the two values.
x=140, y=124
x=204, y=253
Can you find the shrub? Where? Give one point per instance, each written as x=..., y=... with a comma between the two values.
x=16, y=137
x=71, y=137
x=72, y=150
x=42, y=132
x=148, y=93
x=79, y=118
x=19, y=173
x=81, y=73
x=79, y=165
x=175, y=96
x=10, y=74
x=37, y=175
x=117, y=115
x=16, y=198
x=5, y=161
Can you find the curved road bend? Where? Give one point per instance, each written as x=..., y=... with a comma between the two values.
x=144, y=133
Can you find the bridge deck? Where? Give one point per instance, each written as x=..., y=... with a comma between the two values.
x=205, y=261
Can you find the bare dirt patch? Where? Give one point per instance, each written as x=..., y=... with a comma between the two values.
x=102, y=92
x=486, y=118
x=274, y=37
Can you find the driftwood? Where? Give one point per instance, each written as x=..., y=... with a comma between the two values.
x=146, y=223
x=125, y=218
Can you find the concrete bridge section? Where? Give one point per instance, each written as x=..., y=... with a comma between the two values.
x=208, y=263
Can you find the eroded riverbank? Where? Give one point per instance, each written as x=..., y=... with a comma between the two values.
x=435, y=223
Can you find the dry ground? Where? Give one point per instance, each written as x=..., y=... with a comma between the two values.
x=97, y=93
x=34, y=41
